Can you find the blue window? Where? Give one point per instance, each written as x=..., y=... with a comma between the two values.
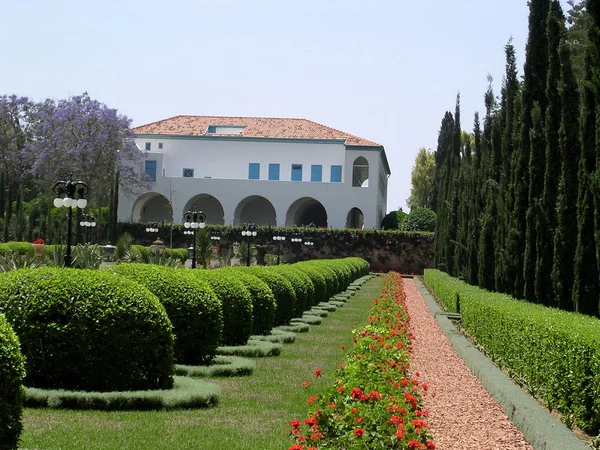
x=336, y=174
x=274, y=172
x=148, y=145
x=188, y=173
x=160, y=145
x=150, y=169
x=316, y=173
x=211, y=129
x=254, y=171
x=296, y=172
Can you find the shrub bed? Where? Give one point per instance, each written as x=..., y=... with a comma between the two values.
x=236, y=302
x=12, y=372
x=264, y=304
x=374, y=401
x=88, y=330
x=554, y=353
x=191, y=304
x=318, y=279
x=22, y=248
x=299, y=284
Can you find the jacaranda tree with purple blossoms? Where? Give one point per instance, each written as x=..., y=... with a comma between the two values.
x=84, y=137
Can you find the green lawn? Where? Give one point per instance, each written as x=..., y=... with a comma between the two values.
x=254, y=412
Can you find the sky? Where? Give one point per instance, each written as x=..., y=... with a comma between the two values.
x=384, y=70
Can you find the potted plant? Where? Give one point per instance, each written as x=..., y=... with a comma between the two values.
x=38, y=249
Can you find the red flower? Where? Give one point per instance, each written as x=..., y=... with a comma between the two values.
x=311, y=399
x=305, y=384
x=342, y=346
x=356, y=393
x=341, y=389
x=396, y=420
x=358, y=419
x=317, y=372
x=310, y=421
x=359, y=432
x=415, y=444
x=295, y=424
x=430, y=445
x=400, y=433
x=296, y=447
x=316, y=436
x=38, y=241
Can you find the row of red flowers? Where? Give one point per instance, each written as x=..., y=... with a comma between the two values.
x=375, y=401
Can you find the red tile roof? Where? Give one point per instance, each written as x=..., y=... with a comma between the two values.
x=263, y=127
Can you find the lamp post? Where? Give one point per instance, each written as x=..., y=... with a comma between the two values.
x=194, y=220
x=74, y=197
x=278, y=237
x=88, y=221
x=153, y=228
x=249, y=231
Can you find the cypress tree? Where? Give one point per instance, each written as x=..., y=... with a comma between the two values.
x=565, y=236
x=475, y=206
x=465, y=190
x=534, y=219
x=547, y=214
x=441, y=187
x=586, y=284
x=452, y=194
x=534, y=90
x=485, y=258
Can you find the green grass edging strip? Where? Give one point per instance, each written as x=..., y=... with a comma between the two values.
x=186, y=393
x=222, y=366
x=540, y=428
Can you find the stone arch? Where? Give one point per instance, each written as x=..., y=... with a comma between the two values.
x=355, y=218
x=360, y=172
x=306, y=211
x=152, y=207
x=211, y=206
x=255, y=209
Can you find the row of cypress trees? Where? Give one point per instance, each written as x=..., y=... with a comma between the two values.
x=518, y=199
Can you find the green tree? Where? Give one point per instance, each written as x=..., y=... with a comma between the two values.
x=546, y=223
x=579, y=22
x=565, y=236
x=475, y=206
x=422, y=179
x=452, y=192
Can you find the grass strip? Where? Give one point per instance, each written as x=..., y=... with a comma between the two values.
x=186, y=393
x=253, y=413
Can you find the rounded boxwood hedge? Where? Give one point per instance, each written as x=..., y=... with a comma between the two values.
x=282, y=289
x=318, y=280
x=12, y=372
x=191, y=304
x=298, y=283
x=264, y=304
x=88, y=330
x=236, y=302
x=331, y=276
x=22, y=248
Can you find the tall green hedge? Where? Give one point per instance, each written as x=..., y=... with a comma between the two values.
x=298, y=283
x=88, y=330
x=282, y=289
x=12, y=372
x=556, y=354
x=236, y=303
x=264, y=304
x=318, y=279
x=191, y=304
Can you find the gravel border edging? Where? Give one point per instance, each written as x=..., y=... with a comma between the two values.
x=542, y=430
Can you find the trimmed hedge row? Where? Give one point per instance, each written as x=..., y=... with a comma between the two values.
x=236, y=304
x=12, y=372
x=22, y=248
x=284, y=293
x=191, y=304
x=554, y=353
x=181, y=254
x=88, y=330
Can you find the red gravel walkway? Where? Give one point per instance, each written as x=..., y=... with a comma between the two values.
x=462, y=414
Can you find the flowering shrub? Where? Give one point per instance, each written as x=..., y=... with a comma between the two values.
x=374, y=402
x=38, y=241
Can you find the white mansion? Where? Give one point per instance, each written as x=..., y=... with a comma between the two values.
x=270, y=171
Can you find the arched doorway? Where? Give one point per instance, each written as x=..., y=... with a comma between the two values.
x=355, y=218
x=306, y=211
x=209, y=205
x=360, y=172
x=255, y=209
x=152, y=207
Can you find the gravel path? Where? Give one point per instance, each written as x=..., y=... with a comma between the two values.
x=462, y=414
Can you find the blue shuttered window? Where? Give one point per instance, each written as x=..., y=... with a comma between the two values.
x=150, y=169
x=254, y=171
x=274, y=172
x=336, y=174
x=188, y=173
x=316, y=173
x=296, y=172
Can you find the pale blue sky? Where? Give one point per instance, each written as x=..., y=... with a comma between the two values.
x=383, y=70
